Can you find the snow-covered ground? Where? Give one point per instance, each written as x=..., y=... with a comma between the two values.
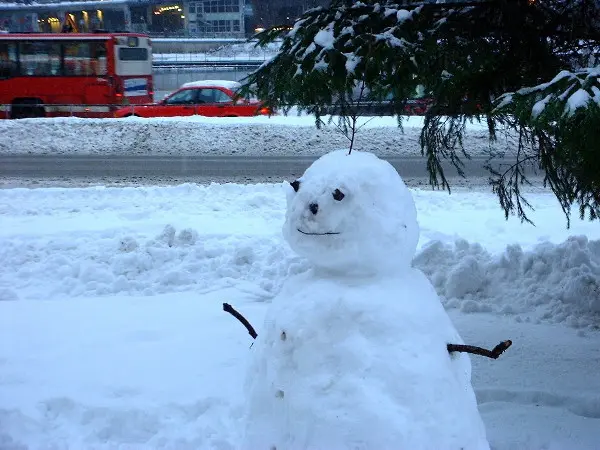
x=112, y=334
x=256, y=136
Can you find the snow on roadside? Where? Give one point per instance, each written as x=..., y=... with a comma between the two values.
x=560, y=282
x=147, y=241
x=166, y=372
x=262, y=136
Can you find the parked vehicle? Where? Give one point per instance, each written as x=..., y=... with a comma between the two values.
x=79, y=74
x=418, y=105
x=412, y=107
x=214, y=98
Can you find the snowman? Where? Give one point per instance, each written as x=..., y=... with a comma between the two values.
x=352, y=354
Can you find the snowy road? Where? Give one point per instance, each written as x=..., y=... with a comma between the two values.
x=73, y=166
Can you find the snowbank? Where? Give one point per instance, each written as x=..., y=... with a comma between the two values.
x=561, y=282
x=144, y=241
x=134, y=351
x=256, y=136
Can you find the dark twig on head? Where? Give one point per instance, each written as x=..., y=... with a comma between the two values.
x=494, y=353
x=231, y=310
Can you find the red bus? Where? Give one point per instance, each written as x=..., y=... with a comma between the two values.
x=79, y=74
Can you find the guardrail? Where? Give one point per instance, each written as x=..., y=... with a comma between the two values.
x=246, y=64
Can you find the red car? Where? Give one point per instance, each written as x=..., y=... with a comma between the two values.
x=214, y=98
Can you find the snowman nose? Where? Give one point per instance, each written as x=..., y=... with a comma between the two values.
x=314, y=208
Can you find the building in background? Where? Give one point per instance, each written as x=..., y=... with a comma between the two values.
x=215, y=17
x=268, y=13
x=186, y=18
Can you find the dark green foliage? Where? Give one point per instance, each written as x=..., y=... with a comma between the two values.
x=465, y=55
x=566, y=136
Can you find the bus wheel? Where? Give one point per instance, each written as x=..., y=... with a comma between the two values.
x=27, y=108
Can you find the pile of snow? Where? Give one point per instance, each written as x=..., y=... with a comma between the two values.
x=143, y=241
x=227, y=84
x=255, y=136
x=156, y=363
x=362, y=209
x=561, y=281
x=204, y=255
x=338, y=338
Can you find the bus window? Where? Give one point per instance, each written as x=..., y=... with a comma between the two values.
x=133, y=54
x=40, y=58
x=8, y=59
x=99, y=58
x=78, y=57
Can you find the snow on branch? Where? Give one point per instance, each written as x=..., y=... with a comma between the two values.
x=561, y=97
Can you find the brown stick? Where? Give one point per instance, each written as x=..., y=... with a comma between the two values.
x=231, y=310
x=494, y=353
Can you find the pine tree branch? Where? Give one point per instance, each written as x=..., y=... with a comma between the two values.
x=231, y=310
x=494, y=353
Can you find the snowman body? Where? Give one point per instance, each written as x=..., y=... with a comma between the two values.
x=352, y=354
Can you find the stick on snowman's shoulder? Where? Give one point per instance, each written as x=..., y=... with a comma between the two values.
x=494, y=353
x=231, y=310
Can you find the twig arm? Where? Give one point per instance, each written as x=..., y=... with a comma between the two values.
x=231, y=310
x=494, y=353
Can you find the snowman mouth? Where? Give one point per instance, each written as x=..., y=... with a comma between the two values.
x=317, y=234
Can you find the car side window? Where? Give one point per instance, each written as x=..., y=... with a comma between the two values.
x=220, y=96
x=211, y=95
x=185, y=97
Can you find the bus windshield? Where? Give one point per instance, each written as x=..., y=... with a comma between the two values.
x=133, y=54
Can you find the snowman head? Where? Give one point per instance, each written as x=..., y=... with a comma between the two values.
x=352, y=213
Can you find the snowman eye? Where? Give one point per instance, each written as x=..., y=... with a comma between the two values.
x=338, y=195
x=295, y=185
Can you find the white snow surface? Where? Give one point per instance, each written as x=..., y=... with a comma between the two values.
x=262, y=136
x=328, y=363
x=112, y=334
x=337, y=339
x=579, y=99
x=228, y=84
x=325, y=37
x=371, y=227
x=539, y=106
x=581, y=90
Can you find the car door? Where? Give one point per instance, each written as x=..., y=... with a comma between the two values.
x=180, y=103
x=215, y=102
